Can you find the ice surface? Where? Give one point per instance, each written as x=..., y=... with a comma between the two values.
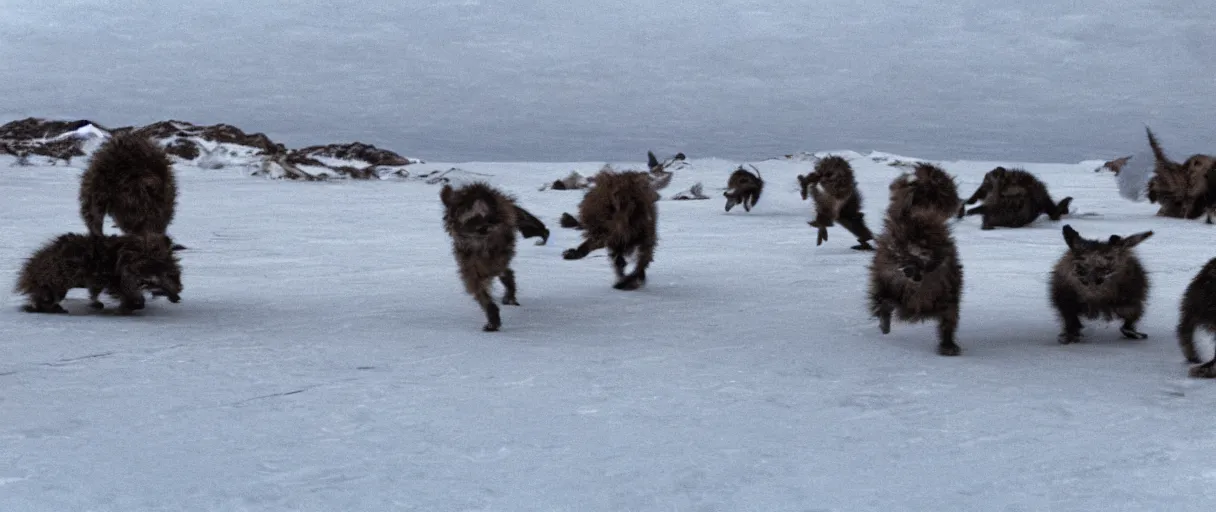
x=1036, y=80
x=325, y=357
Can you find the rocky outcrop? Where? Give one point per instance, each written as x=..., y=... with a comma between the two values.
x=59, y=140
x=183, y=139
x=354, y=151
x=207, y=146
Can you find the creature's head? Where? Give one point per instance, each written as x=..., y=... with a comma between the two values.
x=1093, y=262
x=832, y=166
x=995, y=178
x=150, y=260
x=927, y=192
x=471, y=211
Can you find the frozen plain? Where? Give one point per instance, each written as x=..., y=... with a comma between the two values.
x=325, y=357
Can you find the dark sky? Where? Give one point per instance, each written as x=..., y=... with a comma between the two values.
x=578, y=80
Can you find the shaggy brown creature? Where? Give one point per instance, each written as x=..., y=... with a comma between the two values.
x=131, y=179
x=837, y=199
x=620, y=214
x=916, y=275
x=1182, y=190
x=1013, y=198
x=743, y=188
x=1198, y=310
x=530, y=226
x=927, y=192
x=482, y=221
x=1099, y=279
x=123, y=266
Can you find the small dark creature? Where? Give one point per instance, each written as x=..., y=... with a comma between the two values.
x=131, y=179
x=743, y=188
x=1013, y=198
x=482, y=222
x=837, y=199
x=124, y=266
x=1099, y=279
x=620, y=214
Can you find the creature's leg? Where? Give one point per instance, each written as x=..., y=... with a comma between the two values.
x=1130, y=316
x=637, y=278
x=946, y=328
x=581, y=251
x=508, y=282
x=1186, y=337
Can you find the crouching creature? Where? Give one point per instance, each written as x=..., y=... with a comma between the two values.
x=1013, y=198
x=1099, y=279
x=124, y=266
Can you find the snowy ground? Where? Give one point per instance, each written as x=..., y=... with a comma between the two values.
x=325, y=357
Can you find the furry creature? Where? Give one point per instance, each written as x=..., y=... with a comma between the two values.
x=1182, y=190
x=1099, y=279
x=1198, y=310
x=131, y=179
x=123, y=266
x=928, y=191
x=530, y=226
x=482, y=221
x=837, y=199
x=1013, y=198
x=916, y=274
x=620, y=214
x=743, y=188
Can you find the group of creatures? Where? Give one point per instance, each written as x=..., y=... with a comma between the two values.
x=129, y=178
x=915, y=275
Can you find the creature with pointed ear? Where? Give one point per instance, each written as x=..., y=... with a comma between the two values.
x=1096, y=279
x=620, y=214
x=482, y=221
x=1182, y=189
x=743, y=188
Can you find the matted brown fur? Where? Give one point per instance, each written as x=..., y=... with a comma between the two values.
x=1198, y=310
x=834, y=190
x=916, y=276
x=1182, y=190
x=131, y=179
x=928, y=191
x=1099, y=280
x=743, y=188
x=123, y=266
x=1013, y=198
x=620, y=214
x=482, y=221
